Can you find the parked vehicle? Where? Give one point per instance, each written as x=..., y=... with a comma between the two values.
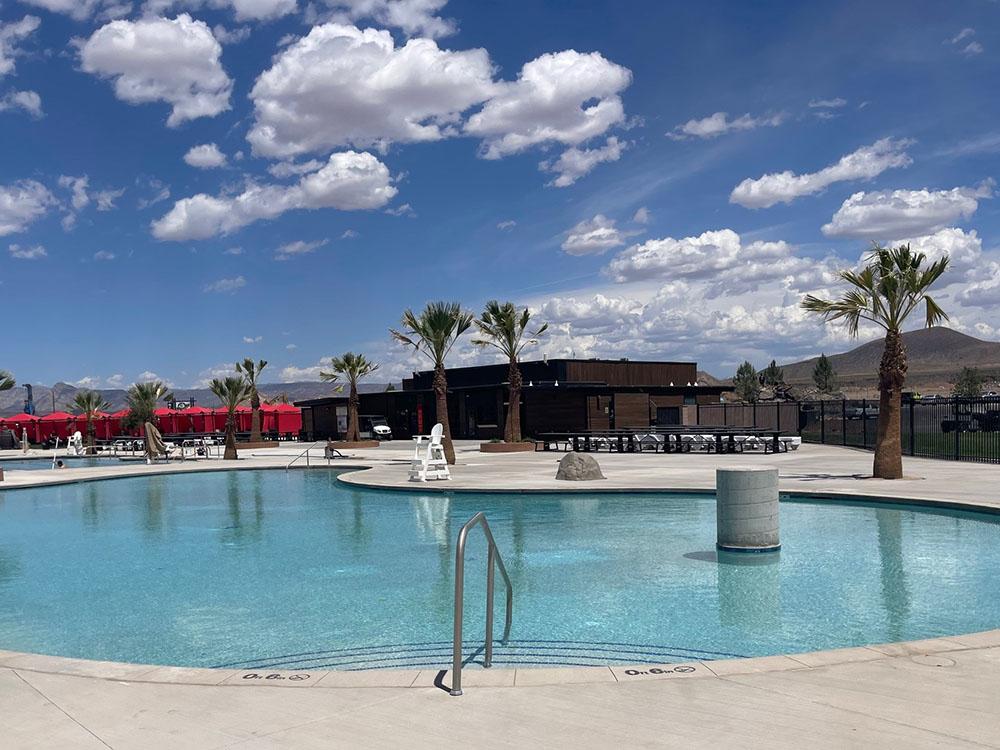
x=373, y=427
x=863, y=412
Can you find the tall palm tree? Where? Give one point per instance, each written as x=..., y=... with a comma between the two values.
x=232, y=392
x=141, y=400
x=6, y=381
x=250, y=371
x=434, y=332
x=88, y=403
x=353, y=367
x=890, y=287
x=504, y=327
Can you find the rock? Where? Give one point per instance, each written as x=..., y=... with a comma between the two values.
x=577, y=467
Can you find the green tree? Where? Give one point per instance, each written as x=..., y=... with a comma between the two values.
x=141, y=400
x=250, y=371
x=969, y=384
x=772, y=376
x=747, y=383
x=893, y=283
x=88, y=403
x=352, y=367
x=232, y=392
x=824, y=376
x=505, y=328
x=434, y=332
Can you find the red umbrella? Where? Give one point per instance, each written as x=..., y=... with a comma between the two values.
x=289, y=419
x=21, y=422
x=102, y=424
x=244, y=415
x=57, y=423
x=201, y=419
x=167, y=419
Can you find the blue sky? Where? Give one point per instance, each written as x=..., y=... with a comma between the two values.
x=187, y=182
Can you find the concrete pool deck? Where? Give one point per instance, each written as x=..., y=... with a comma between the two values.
x=936, y=693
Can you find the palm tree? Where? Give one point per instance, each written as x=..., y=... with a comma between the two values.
x=885, y=292
x=6, y=381
x=353, y=367
x=434, y=332
x=88, y=403
x=504, y=327
x=232, y=392
x=141, y=400
x=251, y=373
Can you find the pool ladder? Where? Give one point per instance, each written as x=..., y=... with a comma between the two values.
x=494, y=560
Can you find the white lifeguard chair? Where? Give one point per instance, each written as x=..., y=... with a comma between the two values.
x=428, y=457
x=75, y=444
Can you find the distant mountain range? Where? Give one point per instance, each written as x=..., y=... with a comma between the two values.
x=936, y=356
x=61, y=395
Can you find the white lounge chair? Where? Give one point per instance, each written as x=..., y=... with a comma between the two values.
x=428, y=457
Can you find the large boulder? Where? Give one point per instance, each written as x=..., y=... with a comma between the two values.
x=578, y=467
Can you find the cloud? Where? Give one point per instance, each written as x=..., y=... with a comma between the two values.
x=964, y=43
x=563, y=97
x=783, y=187
x=27, y=101
x=245, y=10
x=226, y=286
x=158, y=59
x=162, y=192
x=80, y=10
x=505, y=225
x=575, y=162
x=233, y=251
x=984, y=291
x=341, y=86
x=893, y=213
x=412, y=17
x=403, y=210
x=719, y=124
x=349, y=234
x=594, y=236
x=205, y=156
x=27, y=253
x=252, y=339
x=291, y=347
x=77, y=186
x=105, y=199
x=350, y=181
x=230, y=36
x=292, y=374
x=104, y=255
x=81, y=196
x=964, y=249
x=21, y=204
x=285, y=169
x=11, y=33
x=641, y=216
x=299, y=247
x=828, y=103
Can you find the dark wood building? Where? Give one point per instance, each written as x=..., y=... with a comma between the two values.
x=559, y=395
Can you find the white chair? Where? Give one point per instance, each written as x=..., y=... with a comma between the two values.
x=75, y=444
x=428, y=457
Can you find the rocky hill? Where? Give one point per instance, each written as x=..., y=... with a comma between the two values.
x=60, y=395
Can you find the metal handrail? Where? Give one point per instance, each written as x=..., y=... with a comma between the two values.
x=303, y=453
x=494, y=559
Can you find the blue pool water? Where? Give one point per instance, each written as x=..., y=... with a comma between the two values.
x=269, y=568
x=33, y=464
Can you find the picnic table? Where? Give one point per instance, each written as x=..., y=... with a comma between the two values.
x=679, y=439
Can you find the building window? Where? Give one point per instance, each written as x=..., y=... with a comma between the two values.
x=690, y=401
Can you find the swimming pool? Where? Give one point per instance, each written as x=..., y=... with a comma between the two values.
x=296, y=569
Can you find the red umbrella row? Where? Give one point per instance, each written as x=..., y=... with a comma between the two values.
x=281, y=418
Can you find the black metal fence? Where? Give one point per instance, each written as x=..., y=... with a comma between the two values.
x=960, y=429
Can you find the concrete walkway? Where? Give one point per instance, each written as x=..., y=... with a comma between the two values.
x=937, y=693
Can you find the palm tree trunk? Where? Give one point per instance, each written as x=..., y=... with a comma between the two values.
x=888, y=463
x=230, y=454
x=441, y=397
x=255, y=417
x=512, y=427
x=91, y=431
x=353, y=431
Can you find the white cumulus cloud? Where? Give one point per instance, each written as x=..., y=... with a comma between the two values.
x=36, y=252
x=226, y=286
x=21, y=203
x=412, y=17
x=11, y=34
x=894, y=213
x=594, y=236
x=205, y=156
x=350, y=181
x=300, y=247
x=575, y=162
x=27, y=101
x=783, y=187
x=159, y=59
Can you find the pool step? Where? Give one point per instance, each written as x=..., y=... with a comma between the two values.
x=511, y=654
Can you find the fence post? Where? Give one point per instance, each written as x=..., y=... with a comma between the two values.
x=822, y=422
x=954, y=411
x=843, y=419
x=725, y=420
x=777, y=415
x=913, y=443
x=753, y=413
x=697, y=413
x=864, y=423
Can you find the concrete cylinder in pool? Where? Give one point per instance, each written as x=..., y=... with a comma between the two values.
x=747, y=509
